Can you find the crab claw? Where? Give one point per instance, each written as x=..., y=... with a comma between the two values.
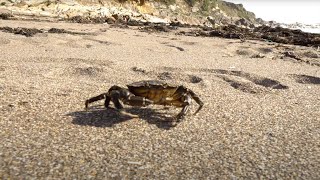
x=123, y=112
x=197, y=99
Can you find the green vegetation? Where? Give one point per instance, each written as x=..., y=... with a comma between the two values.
x=167, y=2
x=229, y=8
x=205, y=5
x=208, y=4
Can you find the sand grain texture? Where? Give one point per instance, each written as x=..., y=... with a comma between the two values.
x=260, y=119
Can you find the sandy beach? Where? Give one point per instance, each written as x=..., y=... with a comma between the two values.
x=261, y=118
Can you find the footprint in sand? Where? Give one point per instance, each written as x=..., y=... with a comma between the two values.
x=258, y=80
x=246, y=82
x=305, y=79
x=245, y=52
x=188, y=43
x=242, y=85
x=178, y=76
x=138, y=35
x=77, y=67
x=169, y=73
x=259, y=52
x=87, y=71
x=166, y=76
x=177, y=47
x=248, y=52
x=265, y=50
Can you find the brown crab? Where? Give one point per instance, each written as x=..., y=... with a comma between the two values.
x=144, y=93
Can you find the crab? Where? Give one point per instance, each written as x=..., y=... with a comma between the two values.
x=144, y=93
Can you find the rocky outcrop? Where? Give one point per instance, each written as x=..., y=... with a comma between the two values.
x=71, y=9
x=219, y=12
x=244, y=23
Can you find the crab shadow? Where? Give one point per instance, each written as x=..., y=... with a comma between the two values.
x=108, y=117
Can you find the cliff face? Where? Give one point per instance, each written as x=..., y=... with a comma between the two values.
x=207, y=12
x=217, y=9
x=237, y=10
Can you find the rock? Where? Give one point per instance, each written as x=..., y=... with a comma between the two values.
x=195, y=9
x=56, y=30
x=260, y=21
x=195, y=79
x=5, y=16
x=245, y=23
x=212, y=21
x=242, y=22
x=172, y=7
x=111, y=20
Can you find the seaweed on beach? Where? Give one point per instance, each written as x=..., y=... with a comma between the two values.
x=28, y=32
x=278, y=35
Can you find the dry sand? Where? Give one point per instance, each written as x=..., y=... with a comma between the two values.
x=261, y=117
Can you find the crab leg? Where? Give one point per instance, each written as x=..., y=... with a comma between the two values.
x=115, y=98
x=186, y=104
x=128, y=98
x=197, y=99
x=97, y=98
x=138, y=101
